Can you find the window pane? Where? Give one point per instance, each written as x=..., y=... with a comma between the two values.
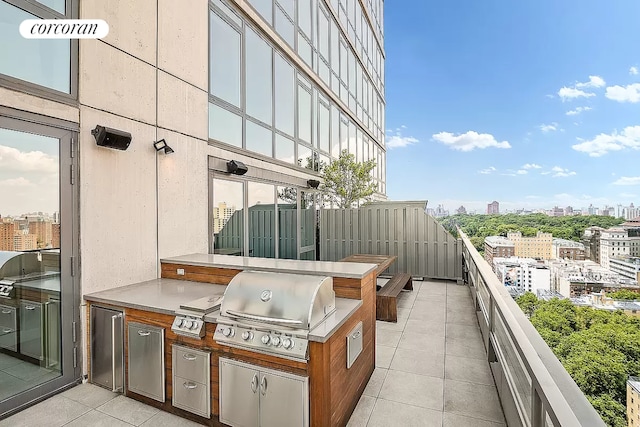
x=324, y=127
x=57, y=5
x=259, y=139
x=262, y=220
x=228, y=12
x=285, y=28
x=304, y=50
x=258, y=75
x=343, y=62
x=264, y=9
x=304, y=157
x=304, y=16
x=352, y=138
x=335, y=49
x=289, y=6
x=287, y=222
x=335, y=132
x=323, y=34
x=224, y=67
x=225, y=126
x=304, y=115
x=344, y=135
x=43, y=62
x=285, y=149
x=227, y=222
x=285, y=96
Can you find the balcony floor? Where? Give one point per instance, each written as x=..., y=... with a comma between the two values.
x=431, y=370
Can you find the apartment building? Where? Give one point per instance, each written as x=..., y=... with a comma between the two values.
x=575, y=278
x=633, y=401
x=568, y=249
x=539, y=247
x=627, y=266
x=523, y=274
x=224, y=102
x=618, y=242
x=493, y=208
x=497, y=247
x=591, y=241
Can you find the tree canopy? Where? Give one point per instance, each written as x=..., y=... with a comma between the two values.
x=599, y=349
x=624, y=294
x=347, y=183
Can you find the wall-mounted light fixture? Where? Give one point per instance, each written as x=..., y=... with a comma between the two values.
x=162, y=145
x=111, y=138
x=237, y=168
x=313, y=183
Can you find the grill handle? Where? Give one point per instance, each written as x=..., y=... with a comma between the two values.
x=265, y=319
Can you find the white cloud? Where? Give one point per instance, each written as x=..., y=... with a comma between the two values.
x=522, y=172
x=488, y=170
x=569, y=93
x=629, y=93
x=15, y=182
x=633, y=71
x=577, y=111
x=531, y=166
x=396, y=140
x=628, y=195
x=559, y=172
x=628, y=180
x=549, y=128
x=27, y=161
x=469, y=141
x=603, y=143
x=594, y=81
x=550, y=96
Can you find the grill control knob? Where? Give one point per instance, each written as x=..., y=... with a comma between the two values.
x=187, y=324
x=287, y=343
x=265, y=339
x=275, y=341
x=195, y=325
x=247, y=335
x=179, y=322
x=228, y=332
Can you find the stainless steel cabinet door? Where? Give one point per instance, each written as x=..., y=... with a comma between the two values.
x=31, y=331
x=284, y=400
x=107, y=348
x=8, y=326
x=239, y=394
x=146, y=360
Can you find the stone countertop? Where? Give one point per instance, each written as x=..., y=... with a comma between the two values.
x=157, y=295
x=348, y=270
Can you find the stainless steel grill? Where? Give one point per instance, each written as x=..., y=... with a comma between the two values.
x=273, y=312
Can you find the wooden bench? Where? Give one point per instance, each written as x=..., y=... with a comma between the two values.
x=386, y=297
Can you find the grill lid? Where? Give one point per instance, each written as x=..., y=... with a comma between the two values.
x=295, y=301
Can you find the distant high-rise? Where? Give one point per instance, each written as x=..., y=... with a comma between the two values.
x=7, y=230
x=461, y=210
x=493, y=208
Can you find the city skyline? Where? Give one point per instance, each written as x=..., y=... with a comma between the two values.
x=524, y=103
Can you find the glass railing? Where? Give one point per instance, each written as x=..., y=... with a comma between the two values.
x=534, y=388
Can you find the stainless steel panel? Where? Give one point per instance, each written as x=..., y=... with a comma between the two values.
x=146, y=360
x=192, y=396
x=290, y=300
x=31, y=329
x=52, y=333
x=284, y=399
x=239, y=395
x=191, y=364
x=107, y=348
x=354, y=344
x=8, y=328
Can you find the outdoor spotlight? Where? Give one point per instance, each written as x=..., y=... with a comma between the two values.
x=237, y=168
x=111, y=138
x=162, y=145
x=313, y=183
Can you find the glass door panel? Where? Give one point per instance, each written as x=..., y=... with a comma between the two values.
x=31, y=282
x=262, y=219
x=288, y=222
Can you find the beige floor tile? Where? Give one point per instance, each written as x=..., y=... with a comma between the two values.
x=128, y=410
x=418, y=362
x=89, y=395
x=467, y=369
x=413, y=389
x=53, y=412
x=472, y=400
x=394, y=414
x=384, y=356
x=375, y=382
x=361, y=414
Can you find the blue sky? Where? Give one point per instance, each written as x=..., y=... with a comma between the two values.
x=531, y=103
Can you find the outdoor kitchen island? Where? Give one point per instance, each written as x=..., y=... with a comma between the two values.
x=325, y=385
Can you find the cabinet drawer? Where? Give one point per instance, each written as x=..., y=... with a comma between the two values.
x=146, y=360
x=192, y=396
x=7, y=317
x=191, y=364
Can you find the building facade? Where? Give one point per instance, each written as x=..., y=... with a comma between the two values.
x=568, y=249
x=497, y=247
x=618, y=242
x=633, y=401
x=539, y=246
x=493, y=208
x=278, y=86
x=523, y=274
x=628, y=267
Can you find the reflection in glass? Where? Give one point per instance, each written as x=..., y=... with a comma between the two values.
x=323, y=36
x=308, y=225
x=304, y=17
x=285, y=149
x=335, y=132
x=304, y=115
x=287, y=222
x=262, y=220
x=225, y=126
x=324, y=127
x=285, y=96
x=30, y=236
x=224, y=57
x=258, y=77
x=289, y=6
x=304, y=50
x=227, y=220
x=285, y=28
x=304, y=157
x=259, y=139
x=45, y=62
x=57, y=5
x=264, y=8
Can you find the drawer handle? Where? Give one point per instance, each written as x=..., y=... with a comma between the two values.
x=29, y=307
x=189, y=357
x=6, y=311
x=144, y=333
x=356, y=335
x=263, y=386
x=254, y=383
x=6, y=330
x=189, y=385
